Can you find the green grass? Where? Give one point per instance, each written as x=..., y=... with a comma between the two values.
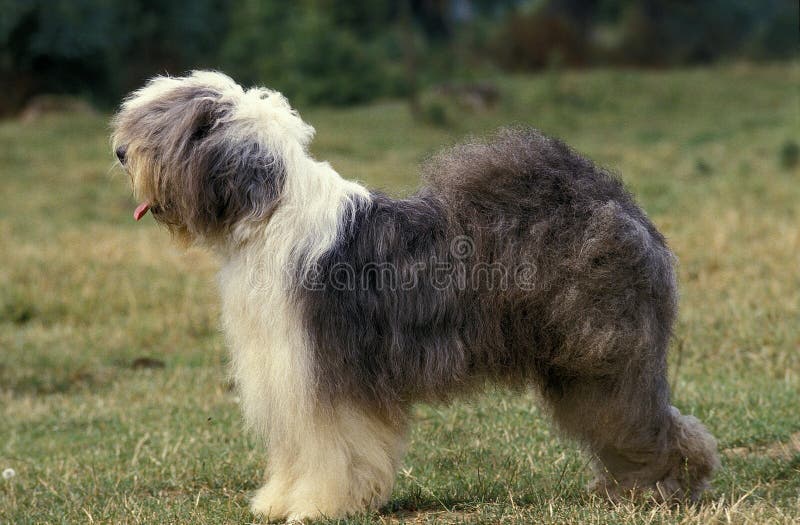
x=85, y=291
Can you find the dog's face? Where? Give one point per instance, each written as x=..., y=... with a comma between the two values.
x=205, y=155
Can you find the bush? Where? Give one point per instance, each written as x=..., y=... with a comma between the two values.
x=645, y=32
x=100, y=49
x=351, y=51
x=538, y=39
x=789, y=155
x=307, y=55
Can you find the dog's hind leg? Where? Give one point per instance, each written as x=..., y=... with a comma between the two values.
x=640, y=444
x=604, y=372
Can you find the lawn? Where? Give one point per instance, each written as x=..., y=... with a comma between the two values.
x=114, y=398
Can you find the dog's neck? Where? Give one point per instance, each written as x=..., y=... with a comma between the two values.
x=307, y=218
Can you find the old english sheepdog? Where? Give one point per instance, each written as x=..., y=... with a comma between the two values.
x=519, y=262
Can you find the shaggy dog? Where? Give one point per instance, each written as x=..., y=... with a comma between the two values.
x=519, y=262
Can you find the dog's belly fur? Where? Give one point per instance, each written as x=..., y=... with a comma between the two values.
x=599, y=289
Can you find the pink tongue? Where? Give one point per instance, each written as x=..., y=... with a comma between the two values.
x=141, y=210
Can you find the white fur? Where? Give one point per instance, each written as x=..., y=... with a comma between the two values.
x=322, y=461
x=159, y=86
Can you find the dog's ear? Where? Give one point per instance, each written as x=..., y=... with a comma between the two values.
x=229, y=179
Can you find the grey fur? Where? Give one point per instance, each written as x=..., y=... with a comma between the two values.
x=591, y=329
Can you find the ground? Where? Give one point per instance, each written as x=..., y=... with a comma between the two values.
x=115, y=406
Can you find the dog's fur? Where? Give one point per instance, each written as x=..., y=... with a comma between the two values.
x=520, y=262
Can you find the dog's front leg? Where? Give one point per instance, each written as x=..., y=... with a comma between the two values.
x=335, y=461
x=325, y=458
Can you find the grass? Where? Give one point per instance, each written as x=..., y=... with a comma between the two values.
x=98, y=434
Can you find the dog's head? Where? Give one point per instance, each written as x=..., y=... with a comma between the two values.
x=205, y=155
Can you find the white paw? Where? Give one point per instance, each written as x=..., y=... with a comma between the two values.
x=267, y=503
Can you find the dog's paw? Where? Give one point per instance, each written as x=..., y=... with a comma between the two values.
x=273, y=505
x=269, y=505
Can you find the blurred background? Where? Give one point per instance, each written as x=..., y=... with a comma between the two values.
x=342, y=52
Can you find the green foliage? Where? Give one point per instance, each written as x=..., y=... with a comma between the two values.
x=435, y=111
x=666, y=32
x=98, y=48
x=790, y=154
x=645, y=32
x=310, y=54
x=59, y=43
x=350, y=51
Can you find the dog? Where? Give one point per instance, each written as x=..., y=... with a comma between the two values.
x=518, y=263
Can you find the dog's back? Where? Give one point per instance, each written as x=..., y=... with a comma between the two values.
x=520, y=261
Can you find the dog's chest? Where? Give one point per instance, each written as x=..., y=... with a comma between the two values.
x=265, y=338
x=256, y=308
